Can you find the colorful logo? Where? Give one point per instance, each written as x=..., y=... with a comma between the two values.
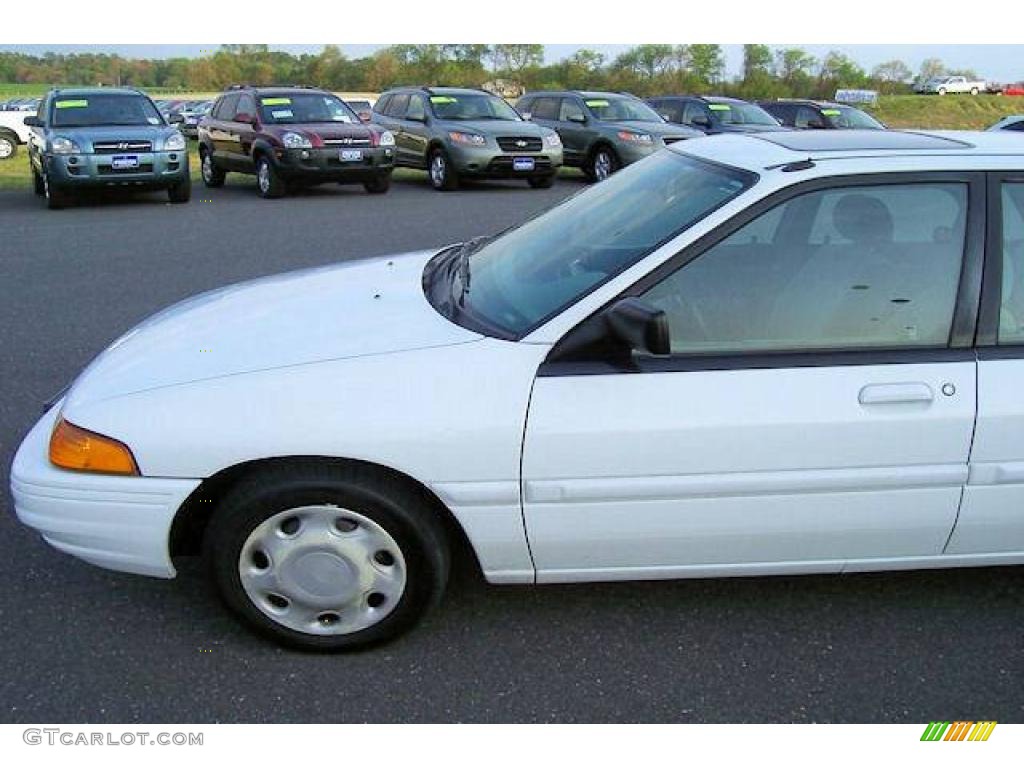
x=961, y=730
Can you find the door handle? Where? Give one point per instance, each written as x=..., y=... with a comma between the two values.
x=886, y=394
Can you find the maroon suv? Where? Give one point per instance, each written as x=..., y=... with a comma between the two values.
x=292, y=137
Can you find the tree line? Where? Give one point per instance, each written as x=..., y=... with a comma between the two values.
x=644, y=69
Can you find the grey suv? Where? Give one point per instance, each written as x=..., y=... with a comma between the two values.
x=455, y=133
x=101, y=137
x=602, y=132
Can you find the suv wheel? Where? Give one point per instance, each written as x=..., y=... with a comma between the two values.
x=56, y=198
x=180, y=192
x=603, y=163
x=212, y=175
x=8, y=146
x=268, y=182
x=327, y=558
x=379, y=184
x=38, y=185
x=442, y=176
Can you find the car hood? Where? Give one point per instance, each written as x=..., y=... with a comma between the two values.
x=355, y=309
x=656, y=129
x=496, y=127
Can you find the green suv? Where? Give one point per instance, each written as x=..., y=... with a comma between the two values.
x=101, y=137
x=455, y=133
x=602, y=132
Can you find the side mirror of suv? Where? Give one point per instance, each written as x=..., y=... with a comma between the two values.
x=577, y=117
x=702, y=121
x=33, y=122
x=245, y=117
x=638, y=326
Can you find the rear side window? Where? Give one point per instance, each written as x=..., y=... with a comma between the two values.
x=886, y=277
x=544, y=108
x=416, y=110
x=246, y=107
x=382, y=105
x=225, y=108
x=398, y=105
x=1011, y=312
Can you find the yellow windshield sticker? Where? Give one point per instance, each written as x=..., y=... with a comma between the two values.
x=596, y=102
x=443, y=100
x=831, y=112
x=72, y=104
x=719, y=107
x=275, y=102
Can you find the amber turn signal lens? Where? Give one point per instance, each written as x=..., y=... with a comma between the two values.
x=75, y=448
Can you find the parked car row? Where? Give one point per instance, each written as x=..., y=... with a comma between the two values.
x=294, y=137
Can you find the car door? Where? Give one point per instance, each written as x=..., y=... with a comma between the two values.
x=815, y=412
x=991, y=521
x=243, y=133
x=415, y=133
x=219, y=129
x=574, y=129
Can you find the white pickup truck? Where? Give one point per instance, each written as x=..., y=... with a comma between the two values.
x=13, y=132
x=953, y=84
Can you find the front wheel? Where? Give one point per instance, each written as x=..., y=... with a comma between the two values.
x=603, y=163
x=268, y=181
x=442, y=176
x=38, y=185
x=180, y=192
x=378, y=185
x=327, y=558
x=56, y=198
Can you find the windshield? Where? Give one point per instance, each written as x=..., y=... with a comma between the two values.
x=474, y=106
x=304, y=108
x=848, y=117
x=739, y=113
x=104, y=109
x=525, y=276
x=614, y=109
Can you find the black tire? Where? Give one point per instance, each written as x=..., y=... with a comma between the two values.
x=269, y=183
x=396, y=507
x=379, y=184
x=443, y=177
x=212, y=175
x=8, y=145
x=180, y=192
x=38, y=185
x=601, y=163
x=541, y=182
x=56, y=198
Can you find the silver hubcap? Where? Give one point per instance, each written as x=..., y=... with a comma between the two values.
x=207, y=168
x=602, y=166
x=46, y=186
x=322, y=570
x=6, y=148
x=437, y=170
x=263, y=177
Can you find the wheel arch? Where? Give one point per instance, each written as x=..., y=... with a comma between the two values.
x=191, y=520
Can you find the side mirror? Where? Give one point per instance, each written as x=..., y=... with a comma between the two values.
x=33, y=122
x=577, y=117
x=702, y=121
x=244, y=117
x=527, y=115
x=815, y=124
x=638, y=326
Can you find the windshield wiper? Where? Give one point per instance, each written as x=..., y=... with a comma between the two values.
x=460, y=267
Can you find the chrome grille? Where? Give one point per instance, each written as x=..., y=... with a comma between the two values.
x=117, y=147
x=519, y=143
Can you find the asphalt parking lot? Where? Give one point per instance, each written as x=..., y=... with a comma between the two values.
x=83, y=644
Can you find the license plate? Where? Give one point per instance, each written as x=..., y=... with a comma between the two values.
x=522, y=164
x=124, y=161
x=351, y=155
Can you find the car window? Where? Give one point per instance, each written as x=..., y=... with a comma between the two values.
x=569, y=109
x=543, y=108
x=670, y=109
x=382, y=105
x=309, y=107
x=1017, y=126
x=471, y=106
x=76, y=111
x=225, y=108
x=1011, y=315
x=888, y=279
x=807, y=118
x=694, y=111
x=416, y=109
x=246, y=107
x=398, y=105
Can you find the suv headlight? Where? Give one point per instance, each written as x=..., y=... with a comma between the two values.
x=638, y=138
x=294, y=140
x=552, y=140
x=386, y=139
x=472, y=139
x=174, y=143
x=62, y=145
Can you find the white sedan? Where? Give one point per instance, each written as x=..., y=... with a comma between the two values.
x=790, y=353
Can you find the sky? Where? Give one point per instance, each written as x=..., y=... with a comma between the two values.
x=1001, y=63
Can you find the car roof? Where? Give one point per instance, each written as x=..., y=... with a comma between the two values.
x=97, y=92
x=928, y=150
x=582, y=94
